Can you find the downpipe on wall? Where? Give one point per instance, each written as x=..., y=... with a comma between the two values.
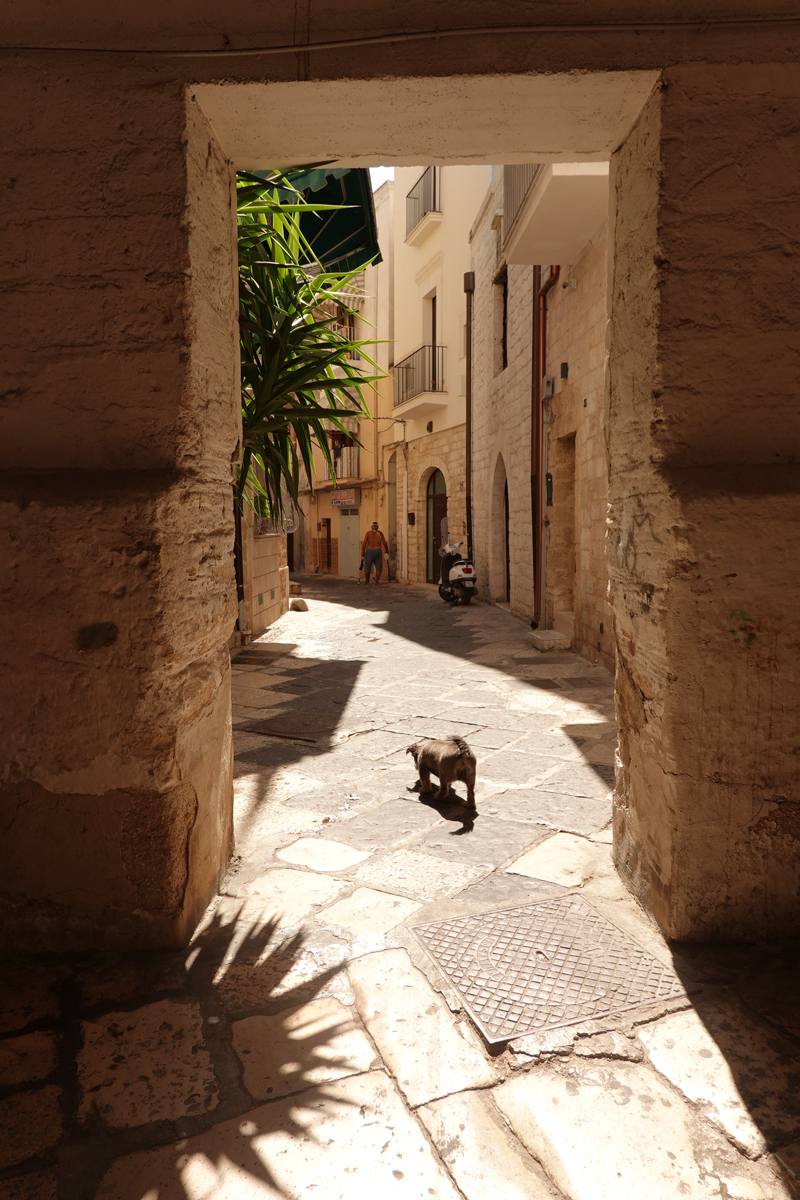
x=538, y=367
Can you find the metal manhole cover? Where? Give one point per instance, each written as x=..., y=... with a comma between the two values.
x=544, y=965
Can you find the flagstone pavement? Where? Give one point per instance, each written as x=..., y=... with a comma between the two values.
x=306, y=1045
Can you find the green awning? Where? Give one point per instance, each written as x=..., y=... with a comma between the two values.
x=346, y=239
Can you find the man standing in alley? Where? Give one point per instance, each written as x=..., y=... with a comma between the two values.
x=372, y=548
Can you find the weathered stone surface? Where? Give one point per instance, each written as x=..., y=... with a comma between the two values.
x=27, y=993
x=609, y=1045
x=391, y=822
x=287, y=972
x=310, y=1045
x=549, y=640
x=563, y=858
x=490, y=841
x=510, y=768
x=146, y=1065
x=352, y=1139
x=321, y=854
x=417, y=875
x=745, y=1081
x=23, y=1059
x=413, y=1029
x=369, y=912
x=31, y=1124
x=298, y=606
x=571, y=814
x=474, y=1142
x=286, y=896
x=573, y=1123
x=581, y=779
x=37, y=1185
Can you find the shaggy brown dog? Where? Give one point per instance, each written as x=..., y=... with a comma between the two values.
x=449, y=759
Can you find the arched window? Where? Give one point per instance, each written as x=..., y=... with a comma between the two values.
x=436, y=530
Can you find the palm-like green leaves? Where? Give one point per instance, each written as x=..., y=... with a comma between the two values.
x=300, y=375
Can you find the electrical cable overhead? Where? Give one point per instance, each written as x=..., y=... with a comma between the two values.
x=385, y=39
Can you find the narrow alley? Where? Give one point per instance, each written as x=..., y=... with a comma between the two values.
x=391, y=997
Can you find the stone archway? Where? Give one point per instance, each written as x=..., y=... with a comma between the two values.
x=118, y=445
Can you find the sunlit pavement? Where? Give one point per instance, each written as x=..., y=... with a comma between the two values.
x=305, y=1045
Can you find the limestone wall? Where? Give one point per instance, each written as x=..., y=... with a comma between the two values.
x=266, y=577
x=577, y=576
x=115, y=501
x=447, y=451
x=501, y=405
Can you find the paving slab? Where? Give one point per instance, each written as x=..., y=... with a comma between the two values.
x=37, y=1185
x=147, y=1065
x=321, y=854
x=581, y=779
x=607, y=1132
x=493, y=739
x=745, y=1078
x=31, y=1124
x=420, y=876
x=473, y=1140
x=428, y=1054
x=506, y=767
x=562, y=858
x=27, y=994
x=289, y=970
x=490, y=841
x=609, y=1045
x=287, y=896
x=368, y=912
x=294, y=1050
x=571, y=814
x=348, y=1140
x=551, y=744
x=387, y=824
x=27, y=1058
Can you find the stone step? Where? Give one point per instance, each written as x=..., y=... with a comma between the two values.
x=549, y=639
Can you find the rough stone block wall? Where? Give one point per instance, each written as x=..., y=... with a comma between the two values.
x=704, y=503
x=116, y=452
x=501, y=424
x=266, y=594
x=576, y=332
x=447, y=451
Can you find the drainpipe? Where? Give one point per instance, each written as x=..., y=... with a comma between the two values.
x=539, y=366
x=469, y=289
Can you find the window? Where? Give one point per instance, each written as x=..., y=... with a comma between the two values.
x=501, y=320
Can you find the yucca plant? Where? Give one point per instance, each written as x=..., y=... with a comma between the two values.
x=300, y=377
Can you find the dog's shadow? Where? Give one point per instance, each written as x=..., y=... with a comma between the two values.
x=453, y=808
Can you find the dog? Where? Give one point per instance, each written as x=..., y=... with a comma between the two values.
x=448, y=759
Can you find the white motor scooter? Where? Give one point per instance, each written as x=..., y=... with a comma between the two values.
x=457, y=580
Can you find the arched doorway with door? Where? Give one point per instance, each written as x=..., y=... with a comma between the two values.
x=436, y=528
x=499, y=558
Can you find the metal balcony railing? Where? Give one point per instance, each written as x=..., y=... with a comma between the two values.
x=423, y=198
x=517, y=182
x=422, y=371
x=345, y=462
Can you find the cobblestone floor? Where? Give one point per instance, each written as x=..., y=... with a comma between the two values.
x=305, y=1045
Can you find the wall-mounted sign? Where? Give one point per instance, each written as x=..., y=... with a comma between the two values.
x=346, y=497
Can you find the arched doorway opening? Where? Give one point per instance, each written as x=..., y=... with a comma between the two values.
x=499, y=557
x=437, y=523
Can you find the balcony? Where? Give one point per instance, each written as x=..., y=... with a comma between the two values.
x=517, y=182
x=418, y=378
x=563, y=207
x=423, y=206
x=345, y=462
